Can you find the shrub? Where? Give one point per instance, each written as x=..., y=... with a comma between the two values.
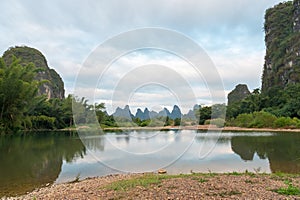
x=219, y=122
x=257, y=119
x=263, y=119
x=284, y=122
x=243, y=120
x=43, y=122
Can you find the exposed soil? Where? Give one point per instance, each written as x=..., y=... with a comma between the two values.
x=206, y=127
x=200, y=186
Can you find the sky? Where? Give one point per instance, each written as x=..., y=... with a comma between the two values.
x=68, y=32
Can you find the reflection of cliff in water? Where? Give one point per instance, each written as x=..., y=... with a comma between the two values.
x=29, y=161
x=282, y=150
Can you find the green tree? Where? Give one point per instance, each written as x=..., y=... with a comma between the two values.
x=218, y=111
x=177, y=122
x=67, y=116
x=18, y=91
x=168, y=121
x=204, y=114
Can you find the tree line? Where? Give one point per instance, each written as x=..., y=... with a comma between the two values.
x=278, y=107
x=21, y=108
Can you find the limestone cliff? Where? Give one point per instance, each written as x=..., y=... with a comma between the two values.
x=239, y=93
x=54, y=86
x=282, y=38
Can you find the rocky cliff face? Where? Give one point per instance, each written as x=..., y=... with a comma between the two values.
x=54, y=86
x=176, y=113
x=146, y=114
x=123, y=113
x=282, y=38
x=142, y=115
x=239, y=93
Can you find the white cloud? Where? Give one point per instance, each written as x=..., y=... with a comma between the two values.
x=66, y=32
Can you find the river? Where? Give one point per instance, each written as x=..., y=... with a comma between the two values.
x=32, y=160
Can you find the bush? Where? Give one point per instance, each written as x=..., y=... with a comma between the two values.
x=43, y=122
x=284, y=122
x=254, y=120
x=297, y=122
x=243, y=120
x=219, y=122
x=263, y=119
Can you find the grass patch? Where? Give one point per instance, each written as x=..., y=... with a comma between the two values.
x=283, y=176
x=211, y=174
x=150, y=179
x=235, y=173
x=289, y=190
x=249, y=181
x=202, y=180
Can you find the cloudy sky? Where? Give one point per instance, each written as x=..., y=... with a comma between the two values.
x=67, y=32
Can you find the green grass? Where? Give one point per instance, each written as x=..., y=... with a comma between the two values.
x=202, y=180
x=143, y=181
x=283, y=176
x=235, y=173
x=147, y=180
x=150, y=179
x=289, y=190
x=249, y=181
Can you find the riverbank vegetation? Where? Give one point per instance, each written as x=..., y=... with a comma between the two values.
x=22, y=108
x=277, y=108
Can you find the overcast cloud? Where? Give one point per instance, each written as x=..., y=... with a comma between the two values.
x=66, y=32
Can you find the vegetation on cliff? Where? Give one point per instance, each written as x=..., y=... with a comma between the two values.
x=278, y=104
x=282, y=38
x=268, y=107
x=52, y=85
x=21, y=106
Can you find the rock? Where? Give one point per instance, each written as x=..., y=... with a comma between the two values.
x=162, y=171
x=142, y=115
x=123, y=113
x=282, y=38
x=239, y=93
x=176, y=113
x=164, y=113
x=54, y=87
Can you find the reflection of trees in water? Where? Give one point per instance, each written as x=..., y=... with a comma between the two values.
x=95, y=143
x=125, y=138
x=216, y=139
x=283, y=150
x=93, y=139
x=29, y=161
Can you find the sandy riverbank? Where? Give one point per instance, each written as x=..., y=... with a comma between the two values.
x=155, y=186
x=204, y=128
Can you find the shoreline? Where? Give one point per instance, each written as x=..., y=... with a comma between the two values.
x=201, y=128
x=160, y=186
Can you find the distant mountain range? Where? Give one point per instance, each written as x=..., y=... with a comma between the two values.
x=146, y=114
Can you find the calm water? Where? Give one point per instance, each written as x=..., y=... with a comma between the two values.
x=33, y=160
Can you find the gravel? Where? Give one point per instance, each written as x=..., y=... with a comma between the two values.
x=200, y=186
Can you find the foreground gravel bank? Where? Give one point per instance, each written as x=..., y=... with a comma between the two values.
x=154, y=186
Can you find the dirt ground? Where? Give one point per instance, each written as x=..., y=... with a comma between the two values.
x=199, y=186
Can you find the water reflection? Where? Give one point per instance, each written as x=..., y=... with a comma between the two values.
x=29, y=161
x=282, y=150
x=32, y=160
